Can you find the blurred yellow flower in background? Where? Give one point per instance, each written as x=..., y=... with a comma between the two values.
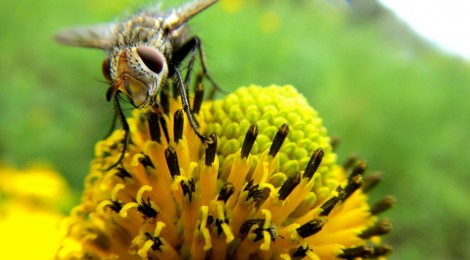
x=31, y=206
x=266, y=185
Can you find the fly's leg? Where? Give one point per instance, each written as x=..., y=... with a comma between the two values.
x=193, y=47
x=184, y=99
x=113, y=125
x=125, y=127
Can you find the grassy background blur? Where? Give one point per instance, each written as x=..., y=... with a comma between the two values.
x=393, y=99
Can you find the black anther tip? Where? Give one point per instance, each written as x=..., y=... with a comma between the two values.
x=250, y=139
x=314, y=163
x=279, y=139
x=172, y=161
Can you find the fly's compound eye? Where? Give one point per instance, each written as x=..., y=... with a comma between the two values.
x=105, y=67
x=152, y=58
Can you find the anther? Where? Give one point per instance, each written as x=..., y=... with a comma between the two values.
x=211, y=149
x=178, y=124
x=165, y=129
x=250, y=138
x=115, y=206
x=188, y=188
x=301, y=252
x=165, y=102
x=146, y=161
x=289, y=186
x=146, y=209
x=359, y=251
x=381, y=251
x=157, y=242
x=176, y=91
x=122, y=173
x=279, y=139
x=349, y=163
x=172, y=161
x=154, y=127
x=218, y=224
x=371, y=180
x=335, y=141
x=198, y=94
x=359, y=169
x=328, y=205
x=245, y=227
x=382, y=205
x=253, y=191
x=258, y=231
x=226, y=191
x=382, y=227
x=314, y=163
x=310, y=228
x=353, y=184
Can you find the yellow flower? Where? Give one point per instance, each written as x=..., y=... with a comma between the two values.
x=30, y=212
x=266, y=186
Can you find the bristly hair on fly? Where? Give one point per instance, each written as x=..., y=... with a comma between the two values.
x=144, y=54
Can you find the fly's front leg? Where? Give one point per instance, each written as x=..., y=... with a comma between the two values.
x=186, y=108
x=125, y=141
x=191, y=48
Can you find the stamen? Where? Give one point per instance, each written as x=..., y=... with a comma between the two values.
x=301, y=252
x=371, y=180
x=178, y=125
x=328, y=205
x=246, y=227
x=335, y=141
x=382, y=205
x=359, y=169
x=145, y=207
x=116, y=206
x=253, y=192
x=226, y=191
x=188, y=188
x=198, y=96
x=381, y=250
x=348, y=164
x=359, y=251
x=172, y=161
x=279, y=139
x=122, y=173
x=165, y=129
x=354, y=184
x=146, y=161
x=165, y=102
x=382, y=227
x=211, y=149
x=314, y=163
x=154, y=127
x=157, y=242
x=250, y=138
x=289, y=186
x=310, y=228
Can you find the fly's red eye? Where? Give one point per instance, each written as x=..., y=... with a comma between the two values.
x=105, y=67
x=151, y=58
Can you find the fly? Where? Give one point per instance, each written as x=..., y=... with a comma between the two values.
x=143, y=53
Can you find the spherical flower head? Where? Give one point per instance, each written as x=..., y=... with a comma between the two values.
x=265, y=184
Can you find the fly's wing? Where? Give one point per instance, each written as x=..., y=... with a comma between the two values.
x=95, y=36
x=179, y=16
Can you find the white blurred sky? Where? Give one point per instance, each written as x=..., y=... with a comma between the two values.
x=444, y=22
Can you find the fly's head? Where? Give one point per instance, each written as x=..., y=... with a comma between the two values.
x=138, y=72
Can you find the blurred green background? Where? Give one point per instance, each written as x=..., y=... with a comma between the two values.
x=392, y=98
